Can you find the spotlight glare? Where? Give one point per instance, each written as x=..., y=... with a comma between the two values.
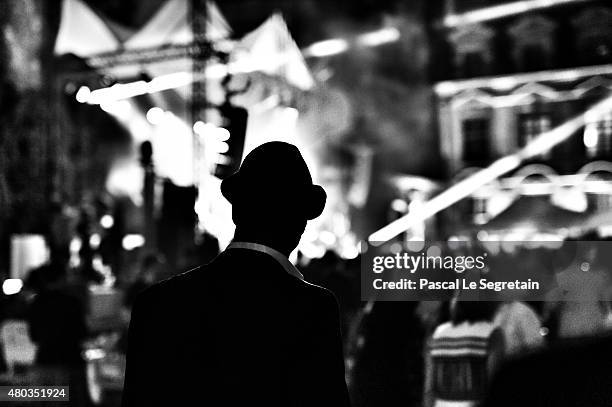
x=94, y=241
x=82, y=95
x=380, y=37
x=12, y=286
x=222, y=134
x=107, y=221
x=222, y=147
x=199, y=127
x=155, y=115
x=399, y=205
x=327, y=48
x=590, y=136
x=133, y=241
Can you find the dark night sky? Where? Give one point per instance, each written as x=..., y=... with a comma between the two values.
x=304, y=17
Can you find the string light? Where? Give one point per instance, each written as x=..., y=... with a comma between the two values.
x=469, y=185
x=501, y=11
x=330, y=47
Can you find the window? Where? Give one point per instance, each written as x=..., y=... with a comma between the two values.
x=480, y=215
x=476, y=143
x=531, y=125
x=598, y=137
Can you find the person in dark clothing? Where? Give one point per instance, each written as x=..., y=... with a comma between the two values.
x=56, y=316
x=574, y=372
x=57, y=325
x=388, y=353
x=244, y=329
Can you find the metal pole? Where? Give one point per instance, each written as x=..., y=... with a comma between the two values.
x=198, y=86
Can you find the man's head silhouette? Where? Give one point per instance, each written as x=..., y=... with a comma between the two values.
x=272, y=196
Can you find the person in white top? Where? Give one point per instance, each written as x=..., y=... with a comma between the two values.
x=520, y=326
x=462, y=355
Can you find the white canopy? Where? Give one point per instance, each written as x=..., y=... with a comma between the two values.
x=84, y=33
x=271, y=49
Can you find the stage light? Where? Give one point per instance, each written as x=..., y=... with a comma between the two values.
x=170, y=81
x=107, y=221
x=572, y=199
x=75, y=245
x=218, y=71
x=12, y=286
x=156, y=115
x=234, y=119
x=200, y=127
x=326, y=48
x=221, y=147
x=221, y=159
x=132, y=241
x=118, y=91
x=590, y=136
x=119, y=108
x=348, y=251
x=211, y=133
x=501, y=11
x=504, y=83
x=83, y=94
x=222, y=134
x=312, y=250
x=327, y=238
x=445, y=88
x=380, y=37
x=94, y=241
x=94, y=354
x=399, y=205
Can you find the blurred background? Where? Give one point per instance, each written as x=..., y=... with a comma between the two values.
x=485, y=121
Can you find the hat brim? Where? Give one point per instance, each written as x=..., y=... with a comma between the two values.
x=312, y=197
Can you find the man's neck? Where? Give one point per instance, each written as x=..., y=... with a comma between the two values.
x=264, y=239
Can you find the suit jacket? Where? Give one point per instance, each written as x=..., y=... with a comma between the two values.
x=576, y=373
x=239, y=331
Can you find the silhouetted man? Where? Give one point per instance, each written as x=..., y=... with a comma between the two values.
x=244, y=330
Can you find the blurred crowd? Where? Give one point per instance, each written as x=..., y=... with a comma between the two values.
x=397, y=353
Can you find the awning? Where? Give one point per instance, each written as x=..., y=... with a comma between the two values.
x=535, y=213
x=84, y=33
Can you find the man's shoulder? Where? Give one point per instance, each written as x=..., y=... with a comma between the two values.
x=179, y=288
x=318, y=300
x=317, y=293
x=170, y=287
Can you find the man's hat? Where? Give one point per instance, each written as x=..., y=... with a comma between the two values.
x=275, y=171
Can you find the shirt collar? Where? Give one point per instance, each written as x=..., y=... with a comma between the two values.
x=275, y=254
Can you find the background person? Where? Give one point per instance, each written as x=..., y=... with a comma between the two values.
x=462, y=356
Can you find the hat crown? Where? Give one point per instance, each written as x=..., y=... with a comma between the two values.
x=276, y=163
x=275, y=174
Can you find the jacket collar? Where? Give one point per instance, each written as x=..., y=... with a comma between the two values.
x=275, y=254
